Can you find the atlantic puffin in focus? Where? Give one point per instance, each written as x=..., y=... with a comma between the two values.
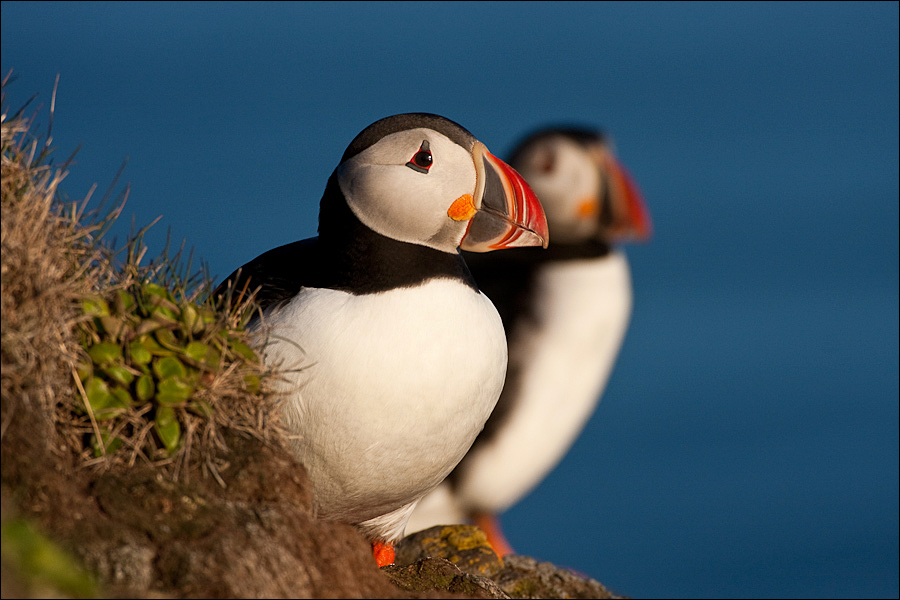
x=565, y=311
x=392, y=358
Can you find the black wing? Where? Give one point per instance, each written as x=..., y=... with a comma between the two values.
x=275, y=276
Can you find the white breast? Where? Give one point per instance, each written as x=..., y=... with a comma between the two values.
x=583, y=309
x=386, y=392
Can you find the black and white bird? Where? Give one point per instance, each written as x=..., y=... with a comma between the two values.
x=565, y=310
x=392, y=358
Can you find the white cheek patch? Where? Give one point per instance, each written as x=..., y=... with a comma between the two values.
x=402, y=203
x=573, y=178
x=377, y=204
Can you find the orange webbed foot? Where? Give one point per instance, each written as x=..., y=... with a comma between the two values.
x=490, y=524
x=383, y=553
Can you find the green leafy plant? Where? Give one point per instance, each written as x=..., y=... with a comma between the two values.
x=43, y=568
x=149, y=353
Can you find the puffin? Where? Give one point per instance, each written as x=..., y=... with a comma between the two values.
x=565, y=312
x=390, y=358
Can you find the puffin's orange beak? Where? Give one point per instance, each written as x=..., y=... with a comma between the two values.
x=509, y=214
x=630, y=218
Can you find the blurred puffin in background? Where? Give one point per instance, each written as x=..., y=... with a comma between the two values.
x=391, y=359
x=565, y=311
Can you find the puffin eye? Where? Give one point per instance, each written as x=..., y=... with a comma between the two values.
x=545, y=162
x=422, y=159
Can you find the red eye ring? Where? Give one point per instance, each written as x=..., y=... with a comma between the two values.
x=422, y=159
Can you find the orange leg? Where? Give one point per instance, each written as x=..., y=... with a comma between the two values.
x=383, y=552
x=490, y=524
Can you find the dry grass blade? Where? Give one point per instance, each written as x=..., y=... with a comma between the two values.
x=201, y=377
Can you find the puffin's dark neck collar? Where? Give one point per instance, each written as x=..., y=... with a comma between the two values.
x=532, y=257
x=592, y=248
x=362, y=261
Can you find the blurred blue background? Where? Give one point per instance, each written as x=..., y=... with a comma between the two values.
x=747, y=445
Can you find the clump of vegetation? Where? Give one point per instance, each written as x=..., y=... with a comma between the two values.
x=141, y=364
x=150, y=376
x=45, y=256
x=42, y=568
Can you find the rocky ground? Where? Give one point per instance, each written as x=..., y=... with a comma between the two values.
x=137, y=534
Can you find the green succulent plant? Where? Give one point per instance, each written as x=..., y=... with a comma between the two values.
x=148, y=353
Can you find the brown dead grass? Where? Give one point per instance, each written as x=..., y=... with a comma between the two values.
x=53, y=258
x=41, y=277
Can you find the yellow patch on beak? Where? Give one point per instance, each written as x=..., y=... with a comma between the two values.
x=462, y=209
x=588, y=207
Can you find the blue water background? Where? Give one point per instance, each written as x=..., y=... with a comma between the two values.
x=747, y=444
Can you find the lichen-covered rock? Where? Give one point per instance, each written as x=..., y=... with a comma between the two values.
x=525, y=577
x=439, y=574
x=466, y=546
x=458, y=558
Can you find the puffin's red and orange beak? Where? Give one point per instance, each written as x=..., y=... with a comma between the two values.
x=509, y=214
x=630, y=218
